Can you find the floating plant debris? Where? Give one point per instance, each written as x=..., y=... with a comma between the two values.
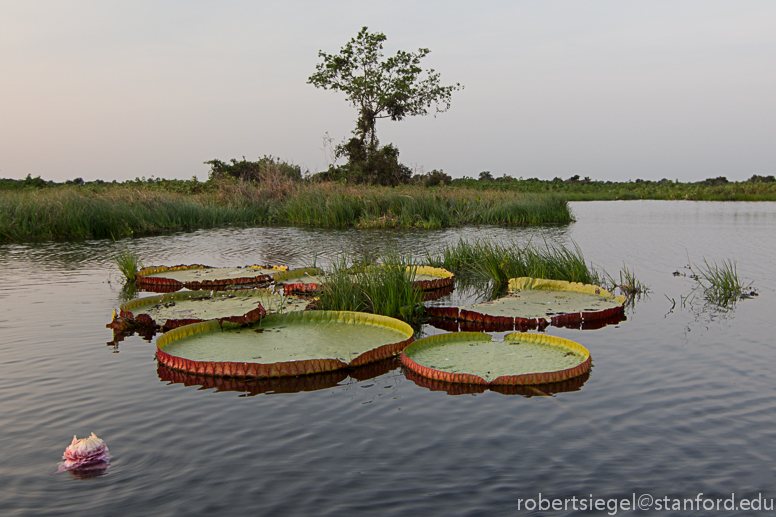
x=197, y=276
x=474, y=358
x=535, y=303
x=296, y=343
x=89, y=453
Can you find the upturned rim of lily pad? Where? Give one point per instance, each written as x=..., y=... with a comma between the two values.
x=445, y=278
x=574, y=319
x=284, y=368
x=278, y=385
x=165, y=284
x=524, y=390
x=546, y=377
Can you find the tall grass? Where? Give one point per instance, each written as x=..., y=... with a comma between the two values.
x=721, y=284
x=116, y=211
x=629, y=285
x=500, y=262
x=719, y=189
x=416, y=207
x=386, y=289
x=111, y=213
x=129, y=264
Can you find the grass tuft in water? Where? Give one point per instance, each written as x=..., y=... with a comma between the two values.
x=721, y=284
x=129, y=264
x=500, y=262
x=629, y=285
x=386, y=288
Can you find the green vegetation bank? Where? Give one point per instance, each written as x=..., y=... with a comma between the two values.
x=252, y=193
x=271, y=191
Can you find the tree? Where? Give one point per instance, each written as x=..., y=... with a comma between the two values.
x=393, y=88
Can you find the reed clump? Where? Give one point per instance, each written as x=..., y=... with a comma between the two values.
x=332, y=204
x=129, y=265
x=720, y=283
x=386, y=288
x=629, y=285
x=137, y=208
x=499, y=262
x=77, y=213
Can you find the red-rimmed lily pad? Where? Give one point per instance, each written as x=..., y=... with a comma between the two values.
x=198, y=276
x=280, y=345
x=429, y=278
x=474, y=358
x=536, y=303
x=276, y=385
x=300, y=281
x=308, y=280
x=174, y=310
x=527, y=391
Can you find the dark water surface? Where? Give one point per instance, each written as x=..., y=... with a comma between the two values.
x=680, y=401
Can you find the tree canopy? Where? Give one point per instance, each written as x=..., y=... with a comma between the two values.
x=393, y=88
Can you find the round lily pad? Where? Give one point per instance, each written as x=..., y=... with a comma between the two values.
x=536, y=303
x=296, y=343
x=197, y=276
x=182, y=308
x=474, y=358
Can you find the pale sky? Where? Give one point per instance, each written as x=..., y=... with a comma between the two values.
x=613, y=90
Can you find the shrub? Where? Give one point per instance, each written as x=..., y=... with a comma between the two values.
x=761, y=179
x=368, y=163
x=264, y=170
x=433, y=178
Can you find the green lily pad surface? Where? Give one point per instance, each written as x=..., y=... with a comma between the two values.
x=206, y=305
x=305, y=340
x=536, y=302
x=307, y=275
x=473, y=357
x=200, y=274
x=543, y=303
x=306, y=279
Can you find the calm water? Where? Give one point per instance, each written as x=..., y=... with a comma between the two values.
x=680, y=400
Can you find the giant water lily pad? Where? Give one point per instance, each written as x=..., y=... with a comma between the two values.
x=300, y=281
x=314, y=382
x=536, y=302
x=474, y=358
x=197, y=276
x=182, y=308
x=296, y=343
x=428, y=278
x=309, y=280
x=524, y=390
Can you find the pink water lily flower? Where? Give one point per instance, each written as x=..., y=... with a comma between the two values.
x=86, y=454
